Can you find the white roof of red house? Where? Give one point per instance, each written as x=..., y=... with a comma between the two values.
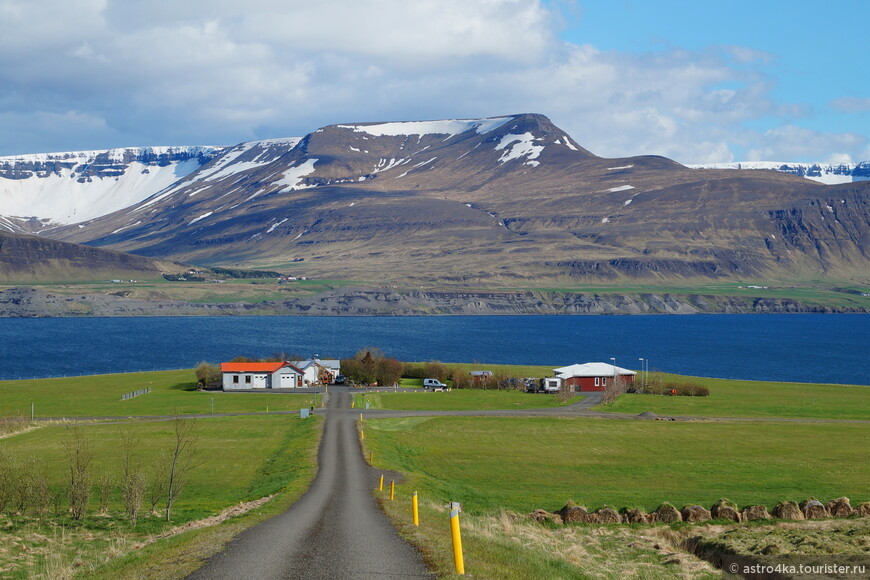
x=592, y=369
x=255, y=367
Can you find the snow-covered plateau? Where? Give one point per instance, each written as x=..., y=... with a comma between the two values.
x=67, y=188
x=827, y=173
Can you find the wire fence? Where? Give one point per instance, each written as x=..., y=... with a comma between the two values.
x=136, y=393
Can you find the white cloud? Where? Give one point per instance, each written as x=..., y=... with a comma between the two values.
x=851, y=104
x=221, y=71
x=792, y=143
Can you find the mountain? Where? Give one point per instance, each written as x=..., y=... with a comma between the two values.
x=47, y=189
x=29, y=259
x=505, y=201
x=827, y=173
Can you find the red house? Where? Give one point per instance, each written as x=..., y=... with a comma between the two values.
x=593, y=376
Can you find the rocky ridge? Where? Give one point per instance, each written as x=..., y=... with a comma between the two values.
x=29, y=302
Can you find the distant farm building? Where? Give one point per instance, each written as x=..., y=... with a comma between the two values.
x=480, y=376
x=593, y=376
x=246, y=376
x=317, y=371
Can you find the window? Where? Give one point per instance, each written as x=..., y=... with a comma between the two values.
x=603, y=381
x=597, y=382
x=248, y=379
x=236, y=379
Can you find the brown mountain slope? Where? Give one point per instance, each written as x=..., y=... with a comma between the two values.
x=504, y=201
x=29, y=259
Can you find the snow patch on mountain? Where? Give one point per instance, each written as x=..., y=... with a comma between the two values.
x=516, y=146
x=449, y=127
x=294, y=177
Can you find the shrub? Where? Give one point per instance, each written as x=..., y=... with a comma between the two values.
x=209, y=375
x=435, y=370
x=461, y=379
x=413, y=370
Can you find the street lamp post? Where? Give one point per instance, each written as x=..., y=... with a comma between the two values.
x=642, y=379
x=613, y=360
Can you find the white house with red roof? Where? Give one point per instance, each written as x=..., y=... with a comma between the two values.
x=247, y=376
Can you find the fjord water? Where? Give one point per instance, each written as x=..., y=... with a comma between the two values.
x=813, y=348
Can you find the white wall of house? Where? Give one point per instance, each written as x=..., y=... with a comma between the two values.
x=245, y=381
x=286, y=379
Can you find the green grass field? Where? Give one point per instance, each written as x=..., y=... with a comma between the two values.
x=730, y=398
x=100, y=396
x=523, y=464
x=233, y=459
x=461, y=400
x=496, y=465
x=237, y=459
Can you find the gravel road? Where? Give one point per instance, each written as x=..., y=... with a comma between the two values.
x=335, y=530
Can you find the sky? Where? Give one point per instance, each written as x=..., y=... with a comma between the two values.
x=696, y=81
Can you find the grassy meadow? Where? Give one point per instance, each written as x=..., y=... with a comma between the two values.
x=732, y=398
x=461, y=400
x=238, y=461
x=522, y=464
x=499, y=467
x=100, y=396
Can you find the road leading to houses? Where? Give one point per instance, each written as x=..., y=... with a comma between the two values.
x=335, y=530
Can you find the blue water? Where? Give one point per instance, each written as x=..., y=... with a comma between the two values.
x=793, y=347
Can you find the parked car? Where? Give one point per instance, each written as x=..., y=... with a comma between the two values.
x=434, y=385
x=339, y=380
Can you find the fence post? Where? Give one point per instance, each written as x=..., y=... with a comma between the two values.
x=414, y=512
x=458, y=561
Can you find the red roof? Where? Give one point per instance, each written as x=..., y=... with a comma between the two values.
x=254, y=367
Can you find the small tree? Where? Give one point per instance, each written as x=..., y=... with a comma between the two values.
x=615, y=387
x=208, y=375
x=155, y=488
x=181, y=460
x=461, y=379
x=565, y=392
x=133, y=481
x=436, y=370
x=80, y=455
x=104, y=491
x=389, y=371
x=6, y=479
x=41, y=491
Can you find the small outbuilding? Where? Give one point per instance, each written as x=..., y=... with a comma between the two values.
x=593, y=376
x=480, y=377
x=245, y=376
x=318, y=371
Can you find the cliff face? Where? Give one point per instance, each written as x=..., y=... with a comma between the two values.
x=27, y=302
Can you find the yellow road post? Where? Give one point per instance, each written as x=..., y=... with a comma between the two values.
x=414, y=511
x=457, y=539
x=392, y=489
x=381, y=484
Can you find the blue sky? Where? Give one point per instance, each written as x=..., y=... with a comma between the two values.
x=694, y=81
x=814, y=51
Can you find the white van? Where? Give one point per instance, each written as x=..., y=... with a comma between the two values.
x=434, y=384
